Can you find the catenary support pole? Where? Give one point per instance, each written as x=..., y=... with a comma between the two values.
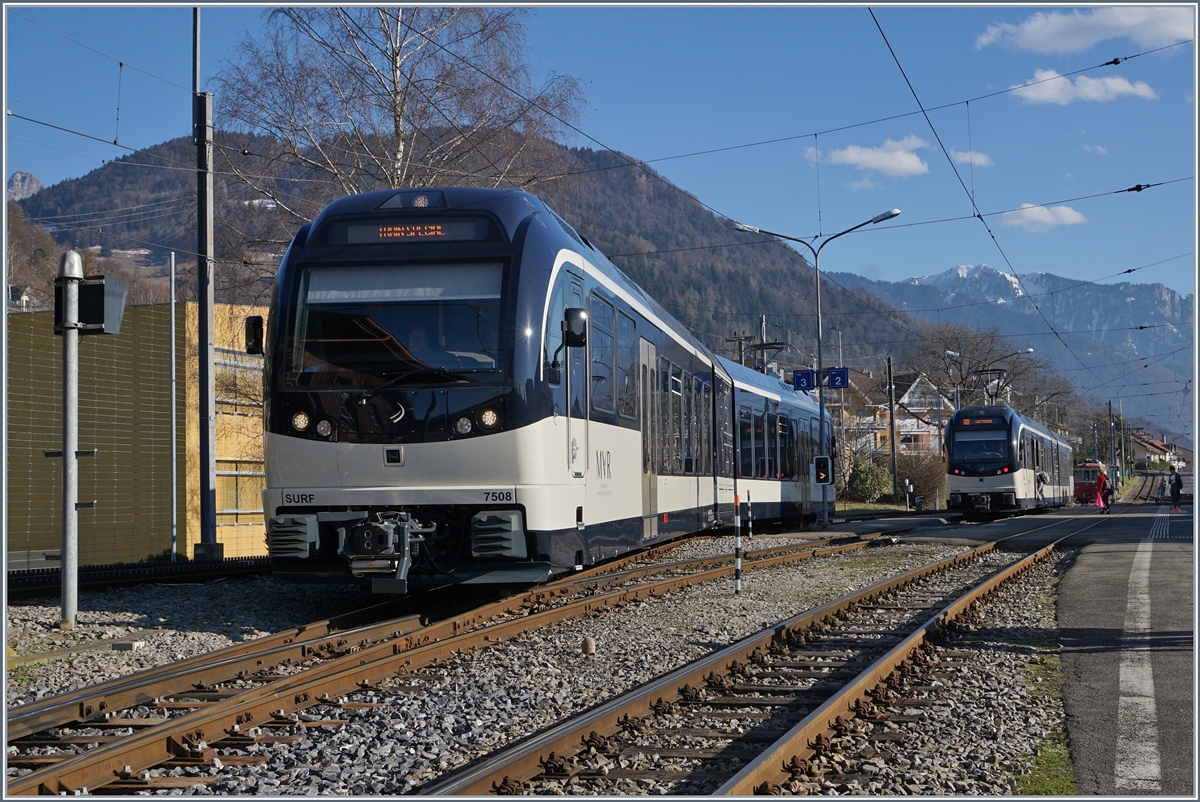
x=70, y=276
x=205, y=299
x=174, y=456
x=891, y=388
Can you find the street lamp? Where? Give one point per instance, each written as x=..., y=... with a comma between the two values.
x=816, y=252
x=985, y=370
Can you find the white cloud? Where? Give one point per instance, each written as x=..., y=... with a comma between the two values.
x=1048, y=87
x=1057, y=32
x=1096, y=149
x=891, y=158
x=971, y=157
x=1042, y=218
x=864, y=183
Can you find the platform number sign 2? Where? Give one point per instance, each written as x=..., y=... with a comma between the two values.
x=823, y=470
x=804, y=379
x=839, y=378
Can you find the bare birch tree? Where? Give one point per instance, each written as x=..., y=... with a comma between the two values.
x=325, y=102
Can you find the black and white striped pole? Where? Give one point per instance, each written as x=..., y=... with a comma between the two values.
x=749, y=516
x=70, y=276
x=737, y=544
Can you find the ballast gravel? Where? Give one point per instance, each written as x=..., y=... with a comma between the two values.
x=447, y=715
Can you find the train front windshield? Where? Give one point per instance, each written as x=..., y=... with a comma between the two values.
x=413, y=323
x=979, y=447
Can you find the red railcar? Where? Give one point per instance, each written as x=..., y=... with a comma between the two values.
x=1086, y=472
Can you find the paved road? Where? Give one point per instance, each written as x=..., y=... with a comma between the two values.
x=1126, y=619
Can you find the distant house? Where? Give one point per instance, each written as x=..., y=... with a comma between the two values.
x=1181, y=457
x=22, y=300
x=861, y=417
x=1148, y=450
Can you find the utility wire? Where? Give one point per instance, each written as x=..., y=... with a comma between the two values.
x=995, y=241
x=875, y=121
x=94, y=50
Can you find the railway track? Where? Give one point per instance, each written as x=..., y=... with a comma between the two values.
x=771, y=713
x=1149, y=489
x=107, y=736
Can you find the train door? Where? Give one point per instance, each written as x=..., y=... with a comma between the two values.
x=577, y=397
x=649, y=457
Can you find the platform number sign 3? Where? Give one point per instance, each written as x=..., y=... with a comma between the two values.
x=804, y=380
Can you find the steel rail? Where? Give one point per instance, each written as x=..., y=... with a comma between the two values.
x=189, y=735
x=144, y=686
x=322, y=637
x=523, y=760
x=769, y=767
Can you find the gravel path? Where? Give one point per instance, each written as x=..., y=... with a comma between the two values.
x=478, y=701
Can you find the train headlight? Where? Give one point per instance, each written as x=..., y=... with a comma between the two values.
x=489, y=418
x=300, y=421
x=324, y=428
x=463, y=426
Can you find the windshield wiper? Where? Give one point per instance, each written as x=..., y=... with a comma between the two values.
x=392, y=382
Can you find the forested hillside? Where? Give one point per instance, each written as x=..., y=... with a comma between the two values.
x=715, y=280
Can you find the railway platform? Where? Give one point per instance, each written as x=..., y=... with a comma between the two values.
x=1126, y=620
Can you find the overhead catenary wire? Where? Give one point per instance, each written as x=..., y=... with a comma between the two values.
x=100, y=53
x=991, y=234
x=887, y=312
x=874, y=121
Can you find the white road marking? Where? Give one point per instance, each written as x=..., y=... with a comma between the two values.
x=1138, y=766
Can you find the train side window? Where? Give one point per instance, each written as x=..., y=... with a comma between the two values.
x=600, y=345
x=676, y=418
x=786, y=457
x=664, y=414
x=706, y=429
x=688, y=430
x=647, y=442
x=553, y=333
x=627, y=365
x=772, y=445
x=760, y=450
x=814, y=433
x=745, y=443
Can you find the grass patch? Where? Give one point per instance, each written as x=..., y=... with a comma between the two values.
x=21, y=675
x=1052, y=773
x=859, y=508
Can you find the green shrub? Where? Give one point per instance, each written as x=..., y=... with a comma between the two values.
x=867, y=481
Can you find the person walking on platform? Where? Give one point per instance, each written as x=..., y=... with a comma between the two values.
x=1175, y=483
x=1102, y=493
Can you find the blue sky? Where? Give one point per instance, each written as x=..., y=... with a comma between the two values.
x=665, y=82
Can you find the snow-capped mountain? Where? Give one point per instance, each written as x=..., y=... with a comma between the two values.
x=22, y=185
x=1146, y=318
x=1128, y=335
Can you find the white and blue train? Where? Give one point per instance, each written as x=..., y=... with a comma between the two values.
x=998, y=460
x=460, y=388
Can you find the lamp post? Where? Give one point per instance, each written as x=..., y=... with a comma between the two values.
x=973, y=359
x=816, y=252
